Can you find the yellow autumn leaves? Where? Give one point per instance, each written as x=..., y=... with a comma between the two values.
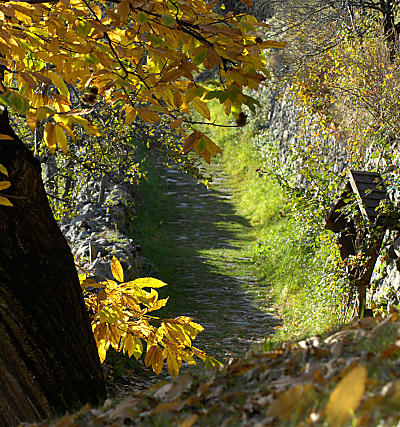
x=54, y=135
x=3, y=186
x=120, y=319
x=346, y=396
x=141, y=55
x=342, y=403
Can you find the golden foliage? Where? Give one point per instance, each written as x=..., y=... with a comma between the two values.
x=143, y=55
x=120, y=319
x=4, y=201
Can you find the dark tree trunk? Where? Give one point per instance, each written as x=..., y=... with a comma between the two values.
x=48, y=357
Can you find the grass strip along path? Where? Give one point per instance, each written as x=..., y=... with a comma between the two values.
x=200, y=246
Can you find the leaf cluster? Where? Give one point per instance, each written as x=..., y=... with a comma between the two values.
x=119, y=313
x=140, y=55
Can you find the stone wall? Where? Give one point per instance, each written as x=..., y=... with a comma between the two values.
x=97, y=232
x=284, y=126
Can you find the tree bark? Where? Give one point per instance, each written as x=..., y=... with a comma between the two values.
x=48, y=356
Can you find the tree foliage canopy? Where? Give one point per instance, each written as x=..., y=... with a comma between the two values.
x=142, y=55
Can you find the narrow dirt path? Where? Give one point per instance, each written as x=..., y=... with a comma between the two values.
x=201, y=248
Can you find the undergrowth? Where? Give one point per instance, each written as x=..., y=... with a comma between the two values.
x=297, y=262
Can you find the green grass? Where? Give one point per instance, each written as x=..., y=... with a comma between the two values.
x=296, y=263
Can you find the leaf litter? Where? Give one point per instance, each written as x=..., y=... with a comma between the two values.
x=349, y=377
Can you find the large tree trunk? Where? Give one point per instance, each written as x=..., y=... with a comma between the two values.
x=48, y=357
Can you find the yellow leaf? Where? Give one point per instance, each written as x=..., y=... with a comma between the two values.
x=201, y=107
x=148, y=115
x=4, y=137
x=3, y=170
x=61, y=138
x=116, y=270
x=59, y=83
x=5, y=202
x=31, y=120
x=149, y=282
x=154, y=358
x=123, y=10
x=133, y=346
x=248, y=3
x=189, y=421
x=50, y=137
x=190, y=141
x=289, y=401
x=92, y=129
x=346, y=396
x=177, y=97
x=174, y=363
x=212, y=58
x=90, y=282
x=160, y=303
x=30, y=81
x=188, y=358
x=67, y=129
x=271, y=44
x=4, y=185
x=130, y=116
x=102, y=350
x=100, y=331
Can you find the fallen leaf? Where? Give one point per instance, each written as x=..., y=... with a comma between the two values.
x=183, y=385
x=318, y=377
x=124, y=410
x=174, y=406
x=189, y=421
x=290, y=401
x=346, y=396
x=66, y=421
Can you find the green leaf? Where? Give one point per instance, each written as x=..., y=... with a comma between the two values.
x=59, y=83
x=83, y=28
x=91, y=58
x=18, y=102
x=4, y=101
x=221, y=95
x=201, y=56
x=3, y=170
x=168, y=20
x=43, y=111
x=142, y=17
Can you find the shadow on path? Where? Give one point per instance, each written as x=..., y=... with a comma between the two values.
x=199, y=248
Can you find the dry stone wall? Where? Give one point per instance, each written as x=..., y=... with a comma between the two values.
x=97, y=232
x=284, y=127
